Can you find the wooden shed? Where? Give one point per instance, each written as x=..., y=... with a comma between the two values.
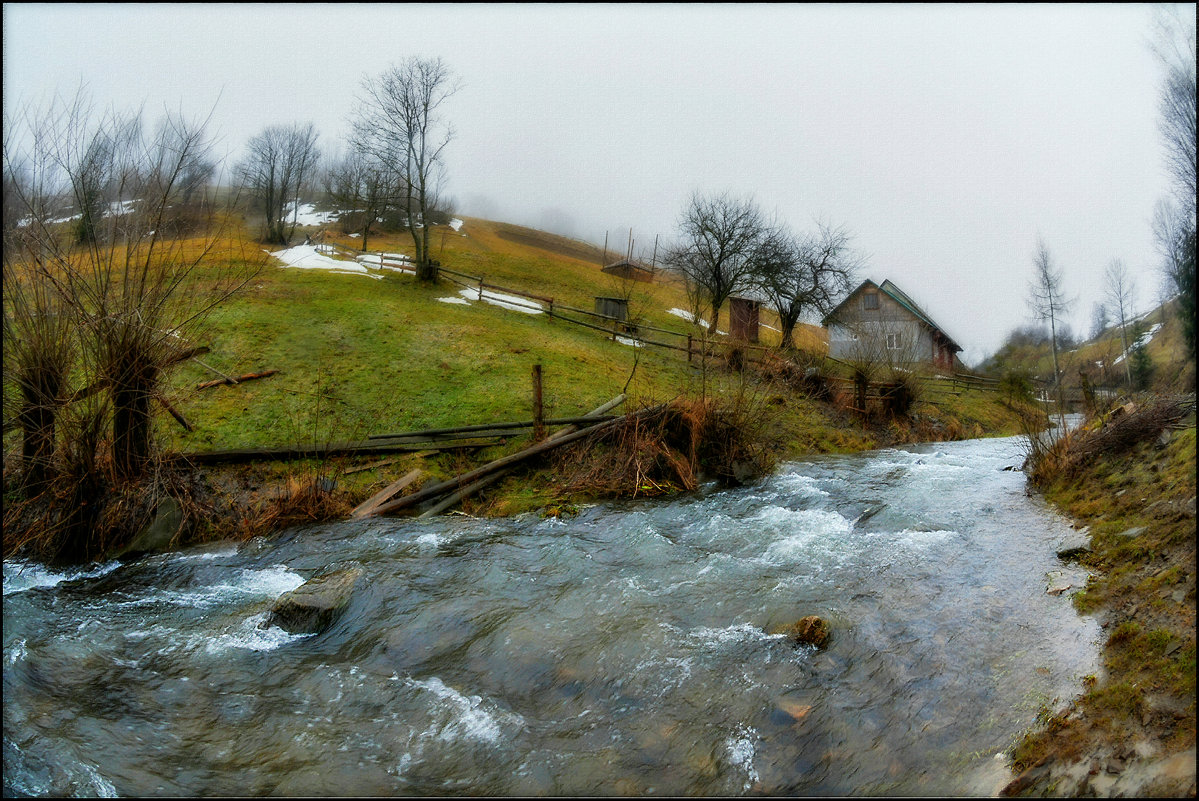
x=617, y=308
x=743, y=319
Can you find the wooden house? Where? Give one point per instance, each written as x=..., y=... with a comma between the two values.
x=878, y=322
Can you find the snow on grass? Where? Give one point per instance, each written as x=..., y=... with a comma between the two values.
x=308, y=215
x=503, y=301
x=627, y=341
x=396, y=262
x=688, y=316
x=455, y=223
x=455, y=300
x=306, y=257
x=1144, y=340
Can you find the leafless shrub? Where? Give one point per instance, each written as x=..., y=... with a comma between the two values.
x=668, y=451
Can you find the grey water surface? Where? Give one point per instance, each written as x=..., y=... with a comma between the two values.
x=622, y=651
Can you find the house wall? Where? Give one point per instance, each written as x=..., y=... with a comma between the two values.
x=889, y=318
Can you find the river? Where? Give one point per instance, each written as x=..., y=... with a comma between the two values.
x=622, y=651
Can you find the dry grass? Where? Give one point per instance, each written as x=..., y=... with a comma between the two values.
x=669, y=450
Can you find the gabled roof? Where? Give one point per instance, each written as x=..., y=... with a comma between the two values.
x=896, y=294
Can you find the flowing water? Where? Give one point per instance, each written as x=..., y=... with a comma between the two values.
x=622, y=651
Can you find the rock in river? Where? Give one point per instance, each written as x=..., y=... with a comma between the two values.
x=810, y=630
x=316, y=604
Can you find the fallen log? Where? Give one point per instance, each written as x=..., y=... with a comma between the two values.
x=320, y=451
x=365, y=508
x=466, y=479
x=216, y=382
x=490, y=427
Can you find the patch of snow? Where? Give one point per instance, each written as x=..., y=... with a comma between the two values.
x=354, y=236
x=627, y=341
x=457, y=301
x=306, y=257
x=119, y=208
x=308, y=215
x=455, y=223
x=688, y=316
x=1141, y=342
x=503, y=301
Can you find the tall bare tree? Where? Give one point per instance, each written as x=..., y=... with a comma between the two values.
x=399, y=122
x=804, y=274
x=1175, y=228
x=278, y=163
x=1121, y=291
x=720, y=237
x=1050, y=304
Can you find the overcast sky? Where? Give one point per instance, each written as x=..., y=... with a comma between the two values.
x=946, y=137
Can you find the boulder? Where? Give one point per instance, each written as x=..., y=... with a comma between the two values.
x=161, y=531
x=810, y=630
x=316, y=604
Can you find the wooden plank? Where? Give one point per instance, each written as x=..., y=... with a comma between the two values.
x=320, y=451
x=437, y=432
x=365, y=508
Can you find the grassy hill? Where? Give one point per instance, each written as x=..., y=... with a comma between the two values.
x=359, y=356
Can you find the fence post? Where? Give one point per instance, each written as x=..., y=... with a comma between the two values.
x=688, y=349
x=538, y=413
x=481, y=287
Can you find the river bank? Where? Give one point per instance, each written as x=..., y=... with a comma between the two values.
x=1132, y=731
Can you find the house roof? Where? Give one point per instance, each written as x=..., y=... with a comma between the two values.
x=898, y=295
x=629, y=263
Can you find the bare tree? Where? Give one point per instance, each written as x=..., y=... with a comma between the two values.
x=1121, y=290
x=364, y=188
x=1048, y=303
x=278, y=163
x=806, y=274
x=1174, y=227
x=720, y=237
x=399, y=124
x=128, y=293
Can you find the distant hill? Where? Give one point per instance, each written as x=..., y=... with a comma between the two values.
x=1163, y=366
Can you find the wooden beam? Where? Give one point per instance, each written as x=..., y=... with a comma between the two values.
x=365, y=508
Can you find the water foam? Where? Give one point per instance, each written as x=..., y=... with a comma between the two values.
x=22, y=576
x=741, y=749
x=469, y=720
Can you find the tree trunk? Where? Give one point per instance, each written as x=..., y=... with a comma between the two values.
x=37, y=445
x=132, y=424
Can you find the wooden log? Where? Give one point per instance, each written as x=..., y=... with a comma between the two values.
x=216, y=382
x=320, y=451
x=559, y=421
x=365, y=508
x=466, y=479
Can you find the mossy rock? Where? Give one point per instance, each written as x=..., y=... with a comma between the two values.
x=810, y=630
x=316, y=604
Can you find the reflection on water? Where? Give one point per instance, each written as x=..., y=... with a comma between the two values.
x=625, y=651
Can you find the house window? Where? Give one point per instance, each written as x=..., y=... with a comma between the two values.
x=893, y=342
x=870, y=301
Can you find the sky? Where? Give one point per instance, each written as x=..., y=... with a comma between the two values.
x=947, y=138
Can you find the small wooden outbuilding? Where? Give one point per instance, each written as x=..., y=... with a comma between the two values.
x=743, y=319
